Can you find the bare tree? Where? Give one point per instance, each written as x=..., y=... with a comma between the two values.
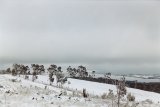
x=121, y=89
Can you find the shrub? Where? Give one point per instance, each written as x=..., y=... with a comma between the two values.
x=85, y=94
x=14, y=80
x=149, y=101
x=69, y=82
x=26, y=77
x=110, y=94
x=104, y=96
x=130, y=97
x=65, y=92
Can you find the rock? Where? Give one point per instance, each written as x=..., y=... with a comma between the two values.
x=1, y=86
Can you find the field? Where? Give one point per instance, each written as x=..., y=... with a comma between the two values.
x=15, y=91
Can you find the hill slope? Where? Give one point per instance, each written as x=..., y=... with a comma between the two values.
x=24, y=93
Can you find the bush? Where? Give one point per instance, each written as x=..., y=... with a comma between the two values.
x=149, y=101
x=26, y=77
x=104, y=96
x=130, y=97
x=110, y=94
x=14, y=80
x=65, y=92
x=69, y=82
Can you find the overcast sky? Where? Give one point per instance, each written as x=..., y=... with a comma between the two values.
x=114, y=36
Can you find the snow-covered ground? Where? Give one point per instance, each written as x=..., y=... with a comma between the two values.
x=25, y=93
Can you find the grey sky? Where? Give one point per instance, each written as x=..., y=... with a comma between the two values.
x=119, y=36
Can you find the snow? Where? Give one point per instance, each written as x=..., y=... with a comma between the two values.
x=22, y=92
x=100, y=88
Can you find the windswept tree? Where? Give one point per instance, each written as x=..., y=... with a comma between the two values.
x=61, y=79
x=52, y=71
x=39, y=69
x=35, y=68
x=57, y=72
x=34, y=76
x=93, y=74
x=19, y=69
x=107, y=77
x=13, y=72
x=28, y=70
x=107, y=74
x=8, y=70
x=72, y=71
x=82, y=71
x=14, y=69
x=59, y=69
x=23, y=69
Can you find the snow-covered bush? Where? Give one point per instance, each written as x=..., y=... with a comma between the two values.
x=26, y=77
x=104, y=96
x=110, y=94
x=132, y=104
x=73, y=93
x=149, y=101
x=65, y=92
x=130, y=97
x=96, y=96
x=69, y=82
x=85, y=94
x=14, y=80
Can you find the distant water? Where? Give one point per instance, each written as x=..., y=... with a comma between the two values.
x=5, y=66
x=99, y=69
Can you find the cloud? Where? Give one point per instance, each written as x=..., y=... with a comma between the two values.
x=89, y=32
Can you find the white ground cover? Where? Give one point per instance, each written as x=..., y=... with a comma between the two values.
x=25, y=93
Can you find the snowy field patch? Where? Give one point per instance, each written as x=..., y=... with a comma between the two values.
x=25, y=93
